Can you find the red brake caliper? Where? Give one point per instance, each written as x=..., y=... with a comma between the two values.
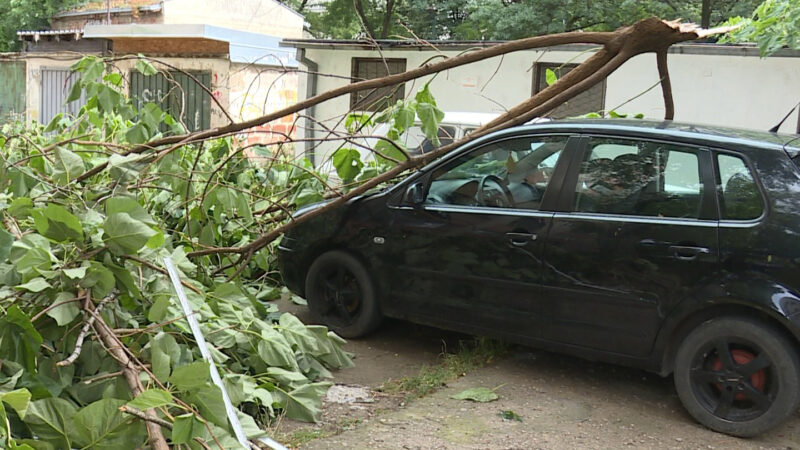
x=758, y=379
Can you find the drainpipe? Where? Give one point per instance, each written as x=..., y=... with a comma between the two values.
x=311, y=90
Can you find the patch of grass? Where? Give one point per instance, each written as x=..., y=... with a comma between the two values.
x=471, y=355
x=303, y=436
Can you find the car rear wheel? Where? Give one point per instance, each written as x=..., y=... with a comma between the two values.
x=341, y=295
x=738, y=376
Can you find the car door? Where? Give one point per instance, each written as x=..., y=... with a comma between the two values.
x=469, y=255
x=635, y=235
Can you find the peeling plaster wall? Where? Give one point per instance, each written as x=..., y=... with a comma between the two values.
x=259, y=90
x=729, y=90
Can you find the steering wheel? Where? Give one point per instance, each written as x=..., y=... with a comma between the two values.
x=501, y=198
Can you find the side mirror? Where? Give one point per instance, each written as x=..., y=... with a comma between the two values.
x=415, y=195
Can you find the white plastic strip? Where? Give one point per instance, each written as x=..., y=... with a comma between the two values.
x=201, y=341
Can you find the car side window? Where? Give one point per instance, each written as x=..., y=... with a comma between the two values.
x=642, y=179
x=512, y=173
x=740, y=199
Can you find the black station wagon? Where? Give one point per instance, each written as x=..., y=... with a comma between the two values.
x=670, y=247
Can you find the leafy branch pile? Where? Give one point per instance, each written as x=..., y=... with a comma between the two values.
x=95, y=351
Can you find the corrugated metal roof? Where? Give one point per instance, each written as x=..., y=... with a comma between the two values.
x=245, y=47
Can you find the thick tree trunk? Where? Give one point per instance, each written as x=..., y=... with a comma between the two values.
x=705, y=14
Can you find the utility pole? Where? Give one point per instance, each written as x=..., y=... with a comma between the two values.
x=108, y=12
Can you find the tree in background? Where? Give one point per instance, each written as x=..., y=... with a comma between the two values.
x=16, y=15
x=773, y=25
x=504, y=19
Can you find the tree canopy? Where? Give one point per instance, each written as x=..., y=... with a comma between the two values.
x=504, y=19
x=16, y=15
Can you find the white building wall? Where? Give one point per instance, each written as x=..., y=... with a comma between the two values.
x=255, y=16
x=736, y=91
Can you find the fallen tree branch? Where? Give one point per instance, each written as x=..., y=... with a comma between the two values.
x=649, y=35
x=130, y=373
x=82, y=335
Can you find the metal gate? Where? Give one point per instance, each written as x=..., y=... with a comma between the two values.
x=176, y=93
x=12, y=89
x=56, y=84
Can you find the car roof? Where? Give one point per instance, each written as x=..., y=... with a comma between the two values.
x=710, y=134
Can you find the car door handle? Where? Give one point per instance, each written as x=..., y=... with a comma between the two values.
x=520, y=239
x=687, y=252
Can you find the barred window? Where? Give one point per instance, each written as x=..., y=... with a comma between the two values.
x=376, y=99
x=591, y=100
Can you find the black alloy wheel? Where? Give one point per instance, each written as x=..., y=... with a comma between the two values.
x=738, y=376
x=341, y=295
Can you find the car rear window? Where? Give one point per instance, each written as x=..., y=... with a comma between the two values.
x=740, y=199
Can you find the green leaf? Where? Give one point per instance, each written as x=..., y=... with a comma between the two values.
x=137, y=134
x=190, y=376
x=144, y=66
x=18, y=400
x=108, y=98
x=19, y=340
x=125, y=235
x=208, y=400
x=64, y=313
x=130, y=206
x=430, y=117
x=347, y=162
x=550, y=77
x=20, y=208
x=479, y=394
x=287, y=378
x=187, y=427
x=275, y=351
x=6, y=239
x=51, y=420
x=403, y=117
x=75, y=273
x=74, y=93
x=305, y=403
x=102, y=425
x=67, y=166
x=37, y=284
x=99, y=278
x=113, y=78
x=297, y=334
x=57, y=223
x=164, y=352
x=151, y=398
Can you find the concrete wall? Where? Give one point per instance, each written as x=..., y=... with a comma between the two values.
x=730, y=90
x=256, y=16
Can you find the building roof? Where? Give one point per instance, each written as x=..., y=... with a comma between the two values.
x=244, y=47
x=36, y=35
x=116, y=6
x=704, y=48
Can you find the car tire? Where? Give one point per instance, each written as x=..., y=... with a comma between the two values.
x=341, y=295
x=738, y=376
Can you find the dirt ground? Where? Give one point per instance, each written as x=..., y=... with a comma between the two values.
x=563, y=403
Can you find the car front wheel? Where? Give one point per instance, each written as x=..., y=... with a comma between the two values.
x=341, y=295
x=738, y=376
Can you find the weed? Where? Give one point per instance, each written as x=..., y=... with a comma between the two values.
x=470, y=355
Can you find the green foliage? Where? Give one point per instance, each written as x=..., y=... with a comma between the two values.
x=391, y=149
x=504, y=19
x=90, y=238
x=773, y=25
x=16, y=15
x=471, y=355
